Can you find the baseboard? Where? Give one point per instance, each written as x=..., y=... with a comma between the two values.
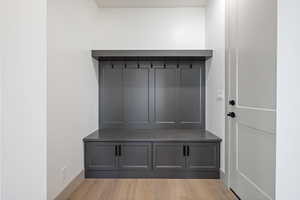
x=69, y=189
x=161, y=173
x=222, y=177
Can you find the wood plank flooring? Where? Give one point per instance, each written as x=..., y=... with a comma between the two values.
x=151, y=189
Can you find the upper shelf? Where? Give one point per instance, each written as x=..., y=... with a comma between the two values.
x=164, y=54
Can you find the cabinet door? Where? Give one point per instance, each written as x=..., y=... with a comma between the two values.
x=168, y=156
x=203, y=156
x=135, y=155
x=100, y=156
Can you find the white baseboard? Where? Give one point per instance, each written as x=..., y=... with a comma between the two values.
x=222, y=177
x=69, y=189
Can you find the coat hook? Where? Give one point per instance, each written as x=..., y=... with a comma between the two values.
x=139, y=65
x=125, y=66
x=165, y=66
x=191, y=66
x=151, y=65
x=177, y=66
x=112, y=66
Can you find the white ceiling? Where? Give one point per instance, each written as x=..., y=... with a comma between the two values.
x=150, y=3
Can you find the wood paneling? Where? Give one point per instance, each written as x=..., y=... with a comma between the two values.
x=136, y=156
x=168, y=156
x=112, y=95
x=165, y=95
x=160, y=94
x=136, y=95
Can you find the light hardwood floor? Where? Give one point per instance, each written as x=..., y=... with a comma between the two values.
x=151, y=189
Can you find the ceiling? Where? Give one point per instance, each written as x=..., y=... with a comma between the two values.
x=150, y=3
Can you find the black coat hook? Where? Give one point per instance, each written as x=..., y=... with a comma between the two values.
x=165, y=66
x=191, y=66
x=112, y=66
x=177, y=66
x=125, y=66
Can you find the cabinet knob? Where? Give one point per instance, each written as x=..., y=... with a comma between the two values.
x=232, y=102
x=231, y=114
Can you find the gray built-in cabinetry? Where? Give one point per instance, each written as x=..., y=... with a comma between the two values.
x=152, y=117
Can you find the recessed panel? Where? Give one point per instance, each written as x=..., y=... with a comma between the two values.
x=136, y=95
x=256, y=158
x=203, y=155
x=135, y=156
x=168, y=155
x=257, y=53
x=190, y=95
x=100, y=155
x=112, y=95
x=165, y=95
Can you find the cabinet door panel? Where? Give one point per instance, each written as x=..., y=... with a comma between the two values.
x=168, y=156
x=100, y=156
x=203, y=156
x=135, y=155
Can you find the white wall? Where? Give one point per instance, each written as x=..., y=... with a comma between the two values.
x=72, y=88
x=1, y=96
x=215, y=71
x=2, y=15
x=24, y=99
x=288, y=101
x=151, y=28
x=76, y=27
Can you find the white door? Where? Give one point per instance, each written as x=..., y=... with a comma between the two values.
x=251, y=76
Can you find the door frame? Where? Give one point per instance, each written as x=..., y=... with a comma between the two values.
x=1, y=120
x=227, y=180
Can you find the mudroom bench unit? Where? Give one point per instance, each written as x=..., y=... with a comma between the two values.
x=152, y=117
x=163, y=153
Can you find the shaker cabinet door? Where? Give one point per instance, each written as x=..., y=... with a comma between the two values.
x=135, y=155
x=101, y=156
x=203, y=156
x=168, y=156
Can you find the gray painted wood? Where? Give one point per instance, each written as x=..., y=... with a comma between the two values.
x=100, y=156
x=190, y=95
x=136, y=95
x=168, y=156
x=159, y=153
x=165, y=96
x=151, y=135
x=135, y=155
x=151, y=53
x=162, y=95
x=158, y=173
x=112, y=95
x=203, y=156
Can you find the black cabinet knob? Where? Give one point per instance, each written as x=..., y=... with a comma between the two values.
x=231, y=114
x=232, y=102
